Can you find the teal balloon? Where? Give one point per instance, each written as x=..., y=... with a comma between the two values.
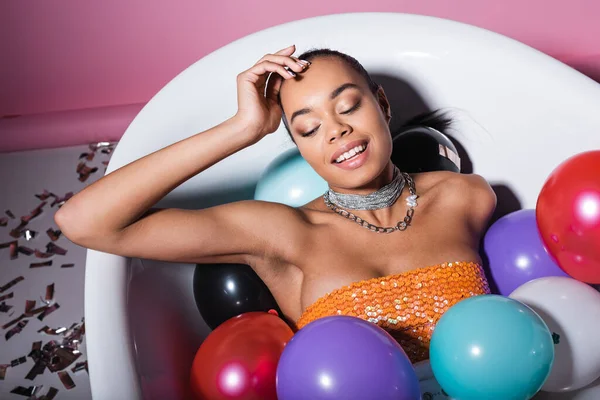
x=290, y=180
x=491, y=347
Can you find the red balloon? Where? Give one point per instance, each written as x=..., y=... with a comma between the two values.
x=238, y=360
x=568, y=216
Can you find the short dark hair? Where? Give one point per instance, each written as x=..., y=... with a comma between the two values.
x=434, y=119
x=325, y=52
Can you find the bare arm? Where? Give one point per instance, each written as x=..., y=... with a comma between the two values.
x=109, y=215
x=121, y=197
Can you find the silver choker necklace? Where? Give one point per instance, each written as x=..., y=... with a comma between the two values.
x=382, y=198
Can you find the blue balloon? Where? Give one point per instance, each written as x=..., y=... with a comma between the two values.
x=491, y=347
x=290, y=180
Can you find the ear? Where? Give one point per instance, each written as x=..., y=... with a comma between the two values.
x=384, y=104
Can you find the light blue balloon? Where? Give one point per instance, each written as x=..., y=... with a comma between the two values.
x=491, y=347
x=290, y=180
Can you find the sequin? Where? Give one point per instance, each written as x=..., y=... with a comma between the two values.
x=391, y=305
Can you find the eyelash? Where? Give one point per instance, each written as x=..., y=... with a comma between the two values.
x=350, y=110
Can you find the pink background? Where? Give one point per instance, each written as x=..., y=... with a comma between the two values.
x=71, y=54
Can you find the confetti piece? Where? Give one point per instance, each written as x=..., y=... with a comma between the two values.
x=53, y=356
x=28, y=234
x=25, y=250
x=66, y=380
x=11, y=283
x=52, y=392
x=87, y=156
x=37, y=369
x=18, y=361
x=53, y=234
x=5, y=307
x=45, y=195
x=80, y=366
x=84, y=171
x=18, y=231
x=42, y=264
x=104, y=147
x=3, y=368
x=17, y=329
x=51, y=248
x=49, y=331
x=67, y=265
x=34, y=213
x=49, y=292
x=14, y=321
x=29, y=305
x=61, y=200
x=35, y=346
x=10, y=214
x=48, y=311
x=3, y=221
x=7, y=296
x=40, y=254
x=13, y=248
x=29, y=392
x=36, y=311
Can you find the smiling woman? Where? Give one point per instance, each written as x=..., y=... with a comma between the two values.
x=339, y=119
x=303, y=253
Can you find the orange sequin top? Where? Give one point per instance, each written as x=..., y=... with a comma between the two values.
x=406, y=305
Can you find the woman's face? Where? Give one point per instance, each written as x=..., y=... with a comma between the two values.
x=341, y=127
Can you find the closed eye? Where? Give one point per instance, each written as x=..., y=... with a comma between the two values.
x=350, y=110
x=354, y=108
x=310, y=132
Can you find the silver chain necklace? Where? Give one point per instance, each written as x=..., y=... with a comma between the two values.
x=357, y=201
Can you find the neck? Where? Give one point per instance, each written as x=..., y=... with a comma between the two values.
x=388, y=216
x=380, y=181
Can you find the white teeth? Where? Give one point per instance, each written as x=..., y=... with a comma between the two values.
x=351, y=153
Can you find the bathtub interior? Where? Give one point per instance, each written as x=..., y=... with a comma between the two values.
x=518, y=115
x=166, y=327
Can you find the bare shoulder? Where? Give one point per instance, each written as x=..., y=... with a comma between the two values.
x=468, y=194
x=454, y=183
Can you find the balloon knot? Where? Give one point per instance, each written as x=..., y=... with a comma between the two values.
x=274, y=312
x=555, y=338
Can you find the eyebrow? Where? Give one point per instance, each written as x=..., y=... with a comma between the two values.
x=335, y=93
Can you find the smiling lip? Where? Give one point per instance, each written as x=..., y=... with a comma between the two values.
x=347, y=147
x=355, y=161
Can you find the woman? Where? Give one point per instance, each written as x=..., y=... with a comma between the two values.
x=317, y=259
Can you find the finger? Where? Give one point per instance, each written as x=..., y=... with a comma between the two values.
x=273, y=86
x=287, y=51
x=267, y=66
x=294, y=64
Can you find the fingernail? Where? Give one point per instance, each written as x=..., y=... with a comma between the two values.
x=292, y=73
x=303, y=62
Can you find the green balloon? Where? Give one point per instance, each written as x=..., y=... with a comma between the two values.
x=290, y=180
x=491, y=347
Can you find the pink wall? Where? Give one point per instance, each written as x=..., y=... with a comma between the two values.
x=72, y=54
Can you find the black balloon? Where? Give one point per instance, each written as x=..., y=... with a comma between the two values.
x=424, y=149
x=223, y=291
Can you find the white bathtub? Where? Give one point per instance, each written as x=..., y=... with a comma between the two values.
x=520, y=113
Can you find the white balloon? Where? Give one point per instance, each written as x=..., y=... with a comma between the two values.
x=591, y=392
x=571, y=309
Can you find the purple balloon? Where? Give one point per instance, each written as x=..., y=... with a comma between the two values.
x=516, y=253
x=342, y=357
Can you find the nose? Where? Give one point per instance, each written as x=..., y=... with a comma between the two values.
x=338, y=129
